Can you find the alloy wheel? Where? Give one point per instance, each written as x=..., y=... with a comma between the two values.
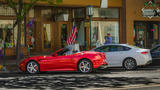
x=85, y=66
x=129, y=64
x=32, y=67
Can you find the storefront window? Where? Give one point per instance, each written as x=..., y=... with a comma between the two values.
x=46, y=12
x=31, y=13
x=106, y=13
x=100, y=30
x=62, y=15
x=8, y=35
x=6, y=11
x=79, y=13
x=81, y=33
x=47, y=35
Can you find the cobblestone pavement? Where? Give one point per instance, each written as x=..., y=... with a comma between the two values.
x=111, y=78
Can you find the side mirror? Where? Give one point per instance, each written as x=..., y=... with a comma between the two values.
x=98, y=50
x=54, y=55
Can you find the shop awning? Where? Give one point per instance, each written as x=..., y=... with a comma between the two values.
x=81, y=3
x=85, y=3
x=76, y=3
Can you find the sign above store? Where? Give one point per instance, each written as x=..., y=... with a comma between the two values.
x=104, y=3
x=151, y=12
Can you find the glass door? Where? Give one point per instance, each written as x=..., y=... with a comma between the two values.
x=46, y=37
x=64, y=31
x=140, y=34
x=146, y=34
x=63, y=35
x=153, y=34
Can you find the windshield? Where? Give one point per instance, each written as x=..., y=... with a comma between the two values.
x=62, y=52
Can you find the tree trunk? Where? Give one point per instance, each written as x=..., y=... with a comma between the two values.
x=18, y=47
x=19, y=18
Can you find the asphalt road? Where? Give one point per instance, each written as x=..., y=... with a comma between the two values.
x=144, y=78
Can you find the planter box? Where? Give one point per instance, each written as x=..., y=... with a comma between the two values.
x=11, y=51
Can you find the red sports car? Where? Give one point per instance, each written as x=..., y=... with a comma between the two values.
x=84, y=62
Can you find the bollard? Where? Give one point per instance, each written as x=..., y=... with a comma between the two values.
x=4, y=59
x=28, y=51
x=85, y=45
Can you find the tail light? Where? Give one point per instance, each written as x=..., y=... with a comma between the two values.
x=144, y=52
x=102, y=55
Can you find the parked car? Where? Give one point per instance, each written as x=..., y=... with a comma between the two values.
x=84, y=62
x=123, y=55
x=155, y=53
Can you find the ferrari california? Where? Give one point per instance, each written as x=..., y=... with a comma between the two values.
x=123, y=55
x=84, y=62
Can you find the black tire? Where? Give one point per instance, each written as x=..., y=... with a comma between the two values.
x=85, y=66
x=129, y=64
x=32, y=67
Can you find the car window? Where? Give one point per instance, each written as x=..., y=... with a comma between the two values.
x=103, y=49
x=116, y=48
x=120, y=48
x=106, y=49
x=126, y=48
x=113, y=48
x=98, y=49
x=156, y=49
x=62, y=52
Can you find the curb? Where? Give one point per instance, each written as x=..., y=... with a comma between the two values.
x=12, y=68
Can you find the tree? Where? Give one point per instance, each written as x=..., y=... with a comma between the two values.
x=21, y=9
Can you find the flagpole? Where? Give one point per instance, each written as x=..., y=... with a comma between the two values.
x=90, y=31
x=90, y=14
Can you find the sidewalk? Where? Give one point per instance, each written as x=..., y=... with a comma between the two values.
x=10, y=64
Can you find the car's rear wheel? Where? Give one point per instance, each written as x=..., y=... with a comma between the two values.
x=32, y=67
x=85, y=66
x=129, y=64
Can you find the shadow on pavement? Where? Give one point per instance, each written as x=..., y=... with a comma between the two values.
x=67, y=81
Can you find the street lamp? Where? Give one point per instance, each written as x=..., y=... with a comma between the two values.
x=90, y=14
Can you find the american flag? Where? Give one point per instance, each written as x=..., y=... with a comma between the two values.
x=72, y=36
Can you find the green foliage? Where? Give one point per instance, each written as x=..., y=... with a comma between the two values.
x=59, y=1
x=145, y=4
x=27, y=6
x=19, y=17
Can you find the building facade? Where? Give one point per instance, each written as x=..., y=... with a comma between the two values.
x=46, y=28
x=142, y=22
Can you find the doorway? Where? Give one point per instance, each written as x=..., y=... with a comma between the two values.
x=47, y=36
x=63, y=32
x=146, y=33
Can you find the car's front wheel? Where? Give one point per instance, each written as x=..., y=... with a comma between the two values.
x=129, y=64
x=85, y=66
x=32, y=67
